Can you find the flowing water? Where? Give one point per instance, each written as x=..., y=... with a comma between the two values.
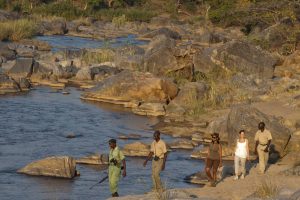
x=34, y=125
x=70, y=42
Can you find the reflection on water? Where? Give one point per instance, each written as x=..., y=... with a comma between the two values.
x=35, y=125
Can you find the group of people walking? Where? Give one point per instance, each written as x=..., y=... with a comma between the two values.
x=158, y=154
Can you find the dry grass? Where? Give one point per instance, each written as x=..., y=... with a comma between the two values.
x=267, y=190
x=15, y=30
x=99, y=56
x=119, y=21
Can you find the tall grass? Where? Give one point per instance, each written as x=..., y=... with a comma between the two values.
x=267, y=190
x=96, y=57
x=15, y=30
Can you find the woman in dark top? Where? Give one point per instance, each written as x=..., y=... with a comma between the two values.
x=214, y=158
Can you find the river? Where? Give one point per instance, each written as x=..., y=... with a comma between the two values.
x=34, y=125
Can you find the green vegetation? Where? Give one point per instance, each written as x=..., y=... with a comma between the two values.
x=16, y=30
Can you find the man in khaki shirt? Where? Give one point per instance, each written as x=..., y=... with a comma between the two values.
x=263, y=139
x=159, y=153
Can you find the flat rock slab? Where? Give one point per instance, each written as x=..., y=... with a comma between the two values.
x=56, y=166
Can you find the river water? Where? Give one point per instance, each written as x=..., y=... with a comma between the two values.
x=34, y=125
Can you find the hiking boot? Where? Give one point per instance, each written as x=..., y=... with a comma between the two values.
x=243, y=176
x=235, y=178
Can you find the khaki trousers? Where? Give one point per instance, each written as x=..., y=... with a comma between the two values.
x=263, y=158
x=156, y=169
x=239, y=165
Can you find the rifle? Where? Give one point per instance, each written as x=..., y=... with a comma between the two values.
x=101, y=181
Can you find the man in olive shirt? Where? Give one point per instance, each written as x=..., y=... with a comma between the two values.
x=159, y=153
x=263, y=139
x=116, y=163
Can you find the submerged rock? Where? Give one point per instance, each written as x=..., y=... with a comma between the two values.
x=130, y=136
x=56, y=166
x=136, y=149
x=182, y=144
x=95, y=159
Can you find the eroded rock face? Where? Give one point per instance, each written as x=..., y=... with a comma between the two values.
x=61, y=166
x=136, y=149
x=247, y=118
x=130, y=86
x=236, y=56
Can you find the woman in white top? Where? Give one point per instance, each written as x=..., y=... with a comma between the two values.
x=241, y=154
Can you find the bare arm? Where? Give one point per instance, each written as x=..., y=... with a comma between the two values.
x=164, y=162
x=148, y=158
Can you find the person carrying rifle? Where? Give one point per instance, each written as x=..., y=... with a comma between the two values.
x=116, y=164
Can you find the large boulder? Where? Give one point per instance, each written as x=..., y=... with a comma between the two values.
x=54, y=27
x=159, y=58
x=236, y=56
x=36, y=44
x=247, y=117
x=188, y=99
x=130, y=86
x=62, y=166
x=136, y=149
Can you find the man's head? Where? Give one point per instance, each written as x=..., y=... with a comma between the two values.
x=156, y=136
x=261, y=126
x=112, y=143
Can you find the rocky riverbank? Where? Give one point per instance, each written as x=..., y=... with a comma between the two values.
x=199, y=78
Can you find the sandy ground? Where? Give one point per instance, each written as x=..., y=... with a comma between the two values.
x=241, y=189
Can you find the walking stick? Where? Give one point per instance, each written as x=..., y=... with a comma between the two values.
x=102, y=180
